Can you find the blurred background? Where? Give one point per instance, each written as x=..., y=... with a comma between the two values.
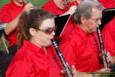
x=35, y=2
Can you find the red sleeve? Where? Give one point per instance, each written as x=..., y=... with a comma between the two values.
x=5, y=14
x=45, y=7
x=108, y=3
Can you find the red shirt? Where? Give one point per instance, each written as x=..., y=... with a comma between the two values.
x=32, y=61
x=108, y=3
x=51, y=7
x=7, y=13
x=81, y=49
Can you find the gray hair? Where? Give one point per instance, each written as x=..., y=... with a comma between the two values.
x=84, y=9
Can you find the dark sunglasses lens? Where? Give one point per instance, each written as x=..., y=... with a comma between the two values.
x=50, y=30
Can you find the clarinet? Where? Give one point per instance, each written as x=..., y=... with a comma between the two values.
x=102, y=49
x=65, y=64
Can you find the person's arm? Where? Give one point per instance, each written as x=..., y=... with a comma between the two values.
x=11, y=26
x=71, y=10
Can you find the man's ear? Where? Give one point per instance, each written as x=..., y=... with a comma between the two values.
x=82, y=20
x=32, y=31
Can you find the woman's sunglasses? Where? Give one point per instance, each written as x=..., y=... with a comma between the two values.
x=49, y=30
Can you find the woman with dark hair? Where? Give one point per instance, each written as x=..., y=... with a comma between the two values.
x=36, y=29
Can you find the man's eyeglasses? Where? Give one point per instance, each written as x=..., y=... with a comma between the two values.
x=49, y=30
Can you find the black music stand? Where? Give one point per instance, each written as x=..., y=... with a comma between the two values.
x=108, y=15
x=61, y=22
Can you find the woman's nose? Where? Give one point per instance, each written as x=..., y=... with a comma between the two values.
x=53, y=33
